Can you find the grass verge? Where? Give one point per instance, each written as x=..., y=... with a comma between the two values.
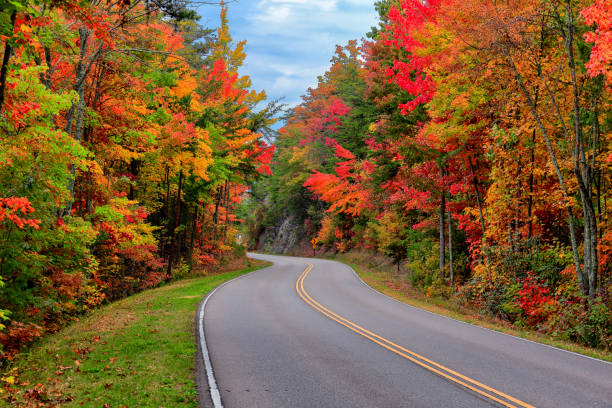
x=137, y=352
x=394, y=285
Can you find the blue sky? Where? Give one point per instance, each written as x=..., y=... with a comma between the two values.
x=290, y=42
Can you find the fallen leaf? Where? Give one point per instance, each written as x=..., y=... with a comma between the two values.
x=9, y=380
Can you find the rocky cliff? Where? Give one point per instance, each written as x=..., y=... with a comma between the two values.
x=282, y=239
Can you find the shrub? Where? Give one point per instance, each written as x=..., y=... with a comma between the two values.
x=126, y=249
x=494, y=297
x=524, y=256
x=585, y=322
x=423, y=260
x=18, y=335
x=438, y=287
x=534, y=300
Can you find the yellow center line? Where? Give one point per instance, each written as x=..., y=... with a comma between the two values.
x=404, y=352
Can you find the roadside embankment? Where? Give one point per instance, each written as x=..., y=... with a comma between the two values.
x=138, y=351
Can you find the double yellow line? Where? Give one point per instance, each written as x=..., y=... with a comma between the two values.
x=477, y=387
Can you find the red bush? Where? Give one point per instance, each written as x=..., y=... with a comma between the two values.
x=534, y=300
x=19, y=334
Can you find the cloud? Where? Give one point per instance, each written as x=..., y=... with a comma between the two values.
x=290, y=42
x=291, y=17
x=274, y=14
x=279, y=11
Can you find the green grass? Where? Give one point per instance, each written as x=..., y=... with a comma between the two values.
x=386, y=281
x=137, y=352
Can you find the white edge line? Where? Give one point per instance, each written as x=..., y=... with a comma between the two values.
x=471, y=324
x=215, y=395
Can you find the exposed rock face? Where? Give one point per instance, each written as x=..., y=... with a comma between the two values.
x=280, y=240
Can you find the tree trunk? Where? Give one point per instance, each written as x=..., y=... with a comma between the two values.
x=194, y=225
x=97, y=93
x=442, y=222
x=450, y=249
x=177, y=215
x=517, y=208
x=582, y=170
x=46, y=77
x=81, y=72
x=533, y=138
x=216, y=214
x=553, y=158
x=531, y=181
x=597, y=176
x=172, y=246
x=227, y=210
x=203, y=223
x=5, y=61
x=166, y=210
x=478, y=200
x=167, y=201
x=134, y=167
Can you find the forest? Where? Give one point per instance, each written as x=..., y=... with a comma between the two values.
x=469, y=141
x=127, y=139
x=466, y=140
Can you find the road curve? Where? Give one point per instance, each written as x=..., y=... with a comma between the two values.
x=308, y=333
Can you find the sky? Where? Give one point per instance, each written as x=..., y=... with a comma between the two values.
x=290, y=42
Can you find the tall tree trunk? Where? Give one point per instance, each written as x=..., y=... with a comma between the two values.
x=177, y=214
x=173, y=239
x=597, y=176
x=582, y=277
x=167, y=200
x=517, y=208
x=582, y=170
x=533, y=136
x=166, y=210
x=89, y=199
x=478, y=200
x=531, y=182
x=203, y=223
x=74, y=126
x=216, y=214
x=442, y=222
x=598, y=182
x=450, y=249
x=97, y=92
x=5, y=61
x=194, y=225
x=227, y=210
x=46, y=77
x=169, y=248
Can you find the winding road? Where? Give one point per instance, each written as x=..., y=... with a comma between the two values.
x=309, y=333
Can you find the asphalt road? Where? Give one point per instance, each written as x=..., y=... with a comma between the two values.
x=297, y=336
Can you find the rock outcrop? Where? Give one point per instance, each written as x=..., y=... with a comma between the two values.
x=282, y=239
